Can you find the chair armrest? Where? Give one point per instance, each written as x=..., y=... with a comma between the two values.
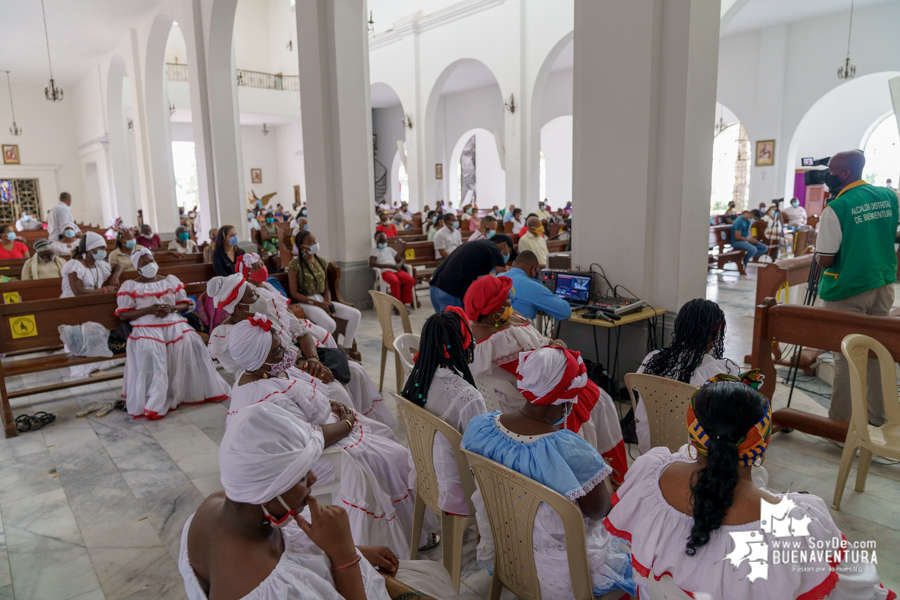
x=409, y=270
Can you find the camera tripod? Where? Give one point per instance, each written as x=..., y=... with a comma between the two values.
x=812, y=292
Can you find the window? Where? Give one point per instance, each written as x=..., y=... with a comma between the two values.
x=543, y=178
x=184, y=159
x=403, y=182
x=731, y=168
x=883, y=153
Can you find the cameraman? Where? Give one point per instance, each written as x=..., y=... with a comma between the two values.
x=855, y=246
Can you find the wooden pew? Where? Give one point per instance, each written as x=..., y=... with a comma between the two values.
x=758, y=230
x=813, y=327
x=725, y=253
x=12, y=267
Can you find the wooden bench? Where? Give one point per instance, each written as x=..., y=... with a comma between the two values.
x=758, y=230
x=12, y=267
x=723, y=252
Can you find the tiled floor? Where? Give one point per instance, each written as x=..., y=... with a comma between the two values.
x=93, y=508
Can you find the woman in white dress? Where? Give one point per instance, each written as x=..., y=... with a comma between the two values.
x=167, y=363
x=87, y=272
x=531, y=442
x=501, y=335
x=695, y=355
x=67, y=242
x=115, y=226
x=442, y=384
x=375, y=470
x=685, y=517
x=265, y=537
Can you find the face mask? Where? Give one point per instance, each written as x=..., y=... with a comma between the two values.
x=539, y=230
x=490, y=233
x=130, y=243
x=398, y=221
x=259, y=306
x=27, y=218
x=795, y=203
x=249, y=217
x=496, y=213
x=99, y=254
x=183, y=237
x=270, y=220
x=507, y=313
x=833, y=182
x=455, y=224
x=505, y=258
x=283, y=521
x=287, y=361
x=46, y=257
x=382, y=246
x=191, y=215
x=11, y=235
x=541, y=206
x=434, y=221
x=468, y=211
x=314, y=249
x=260, y=275
x=306, y=227
x=303, y=213
x=563, y=419
x=69, y=233
x=149, y=270
x=233, y=240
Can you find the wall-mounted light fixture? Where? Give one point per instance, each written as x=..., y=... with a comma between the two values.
x=371, y=24
x=407, y=121
x=290, y=45
x=510, y=104
x=171, y=110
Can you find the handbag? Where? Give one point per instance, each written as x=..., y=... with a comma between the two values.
x=335, y=360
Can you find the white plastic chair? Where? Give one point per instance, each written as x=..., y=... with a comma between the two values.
x=666, y=401
x=385, y=288
x=325, y=493
x=406, y=345
x=489, y=386
x=856, y=348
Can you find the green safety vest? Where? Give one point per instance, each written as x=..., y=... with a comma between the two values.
x=866, y=260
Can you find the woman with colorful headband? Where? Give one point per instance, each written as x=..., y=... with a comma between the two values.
x=531, y=441
x=501, y=334
x=441, y=383
x=699, y=519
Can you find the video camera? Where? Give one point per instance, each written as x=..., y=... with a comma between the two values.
x=817, y=176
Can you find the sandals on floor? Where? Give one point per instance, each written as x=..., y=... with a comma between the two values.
x=101, y=409
x=105, y=409
x=34, y=422
x=433, y=540
x=120, y=405
x=93, y=406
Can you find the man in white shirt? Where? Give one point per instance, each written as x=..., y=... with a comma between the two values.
x=27, y=223
x=59, y=215
x=486, y=229
x=541, y=212
x=534, y=240
x=796, y=215
x=448, y=238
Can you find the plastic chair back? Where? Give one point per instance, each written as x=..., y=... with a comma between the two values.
x=489, y=386
x=406, y=345
x=666, y=401
x=420, y=426
x=512, y=501
x=383, y=304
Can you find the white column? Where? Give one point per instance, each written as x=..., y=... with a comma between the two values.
x=767, y=183
x=514, y=122
x=644, y=98
x=337, y=135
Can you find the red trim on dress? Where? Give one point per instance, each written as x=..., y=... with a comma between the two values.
x=645, y=573
x=405, y=496
x=616, y=532
x=161, y=324
x=615, y=498
x=493, y=334
x=232, y=412
x=368, y=512
x=152, y=415
x=144, y=337
x=151, y=294
x=121, y=310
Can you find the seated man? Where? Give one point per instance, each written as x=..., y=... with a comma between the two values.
x=534, y=241
x=27, y=223
x=796, y=215
x=508, y=215
x=741, y=238
x=448, y=238
x=147, y=238
x=406, y=216
x=466, y=264
x=44, y=264
x=532, y=297
x=486, y=229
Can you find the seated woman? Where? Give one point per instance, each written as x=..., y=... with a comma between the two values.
x=115, y=227
x=242, y=298
x=67, y=242
x=376, y=485
x=682, y=515
x=501, y=334
x=265, y=537
x=211, y=247
x=183, y=244
x=166, y=363
x=121, y=254
x=695, y=355
x=731, y=213
x=226, y=251
x=393, y=269
x=268, y=233
x=87, y=272
x=441, y=383
x=308, y=282
x=10, y=247
x=530, y=441
x=43, y=264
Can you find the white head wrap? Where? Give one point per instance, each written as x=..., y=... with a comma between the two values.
x=137, y=253
x=68, y=225
x=94, y=241
x=250, y=342
x=226, y=292
x=265, y=452
x=115, y=221
x=544, y=371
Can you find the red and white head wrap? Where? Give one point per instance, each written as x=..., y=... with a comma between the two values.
x=551, y=375
x=226, y=292
x=245, y=262
x=137, y=253
x=486, y=296
x=250, y=342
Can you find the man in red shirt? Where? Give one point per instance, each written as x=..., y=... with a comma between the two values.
x=147, y=238
x=386, y=227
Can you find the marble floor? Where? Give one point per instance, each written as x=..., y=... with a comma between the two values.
x=93, y=508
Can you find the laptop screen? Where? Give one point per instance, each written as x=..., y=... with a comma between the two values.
x=574, y=288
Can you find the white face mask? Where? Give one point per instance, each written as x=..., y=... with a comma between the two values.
x=314, y=249
x=283, y=521
x=149, y=270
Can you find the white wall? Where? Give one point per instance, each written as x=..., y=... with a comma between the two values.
x=490, y=179
x=289, y=144
x=252, y=37
x=282, y=28
x=261, y=152
x=557, y=96
x=176, y=48
x=556, y=145
x=87, y=95
x=387, y=124
x=50, y=137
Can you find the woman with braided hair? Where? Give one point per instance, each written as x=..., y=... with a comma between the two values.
x=682, y=515
x=695, y=355
x=442, y=384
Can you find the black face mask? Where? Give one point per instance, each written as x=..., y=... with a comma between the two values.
x=833, y=182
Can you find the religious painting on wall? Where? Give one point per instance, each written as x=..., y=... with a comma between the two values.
x=10, y=154
x=255, y=175
x=439, y=171
x=765, y=153
x=467, y=173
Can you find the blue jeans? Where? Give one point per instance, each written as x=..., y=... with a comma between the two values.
x=750, y=250
x=440, y=299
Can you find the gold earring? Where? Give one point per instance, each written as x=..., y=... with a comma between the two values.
x=693, y=456
x=759, y=460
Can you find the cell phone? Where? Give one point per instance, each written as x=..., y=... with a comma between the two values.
x=331, y=307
